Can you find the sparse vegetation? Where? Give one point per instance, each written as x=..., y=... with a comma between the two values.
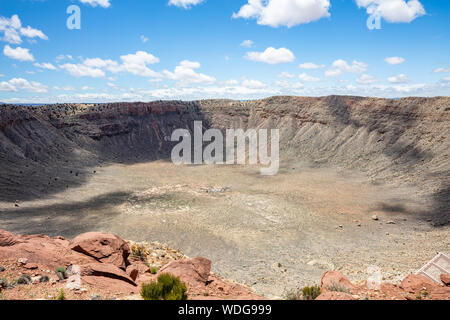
x=310, y=293
x=139, y=252
x=61, y=295
x=61, y=271
x=167, y=287
x=306, y=293
x=153, y=270
x=338, y=288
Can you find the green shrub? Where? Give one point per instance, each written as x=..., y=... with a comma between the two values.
x=167, y=287
x=338, y=288
x=61, y=270
x=61, y=295
x=310, y=293
x=153, y=270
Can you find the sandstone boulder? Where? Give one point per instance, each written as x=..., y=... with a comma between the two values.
x=104, y=247
x=333, y=279
x=7, y=239
x=106, y=270
x=194, y=271
x=416, y=283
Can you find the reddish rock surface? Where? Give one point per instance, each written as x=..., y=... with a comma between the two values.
x=333, y=295
x=445, y=278
x=106, y=248
x=335, y=279
x=193, y=271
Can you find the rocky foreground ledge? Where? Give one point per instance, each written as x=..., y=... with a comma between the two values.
x=100, y=266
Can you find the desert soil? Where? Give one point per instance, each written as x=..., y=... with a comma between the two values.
x=274, y=233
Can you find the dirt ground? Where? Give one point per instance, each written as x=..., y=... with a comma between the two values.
x=274, y=233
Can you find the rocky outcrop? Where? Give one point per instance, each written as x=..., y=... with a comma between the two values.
x=103, y=247
x=99, y=261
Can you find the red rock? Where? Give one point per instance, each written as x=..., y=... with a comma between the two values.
x=445, y=278
x=193, y=271
x=335, y=278
x=113, y=286
x=334, y=295
x=106, y=270
x=7, y=239
x=133, y=272
x=31, y=266
x=104, y=247
x=416, y=283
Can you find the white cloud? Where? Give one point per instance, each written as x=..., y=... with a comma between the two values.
x=307, y=78
x=401, y=78
x=446, y=79
x=441, y=70
x=185, y=74
x=366, y=79
x=18, y=53
x=393, y=10
x=247, y=43
x=94, y=3
x=288, y=13
x=80, y=70
x=13, y=31
x=18, y=84
x=394, y=60
x=310, y=65
x=137, y=64
x=45, y=65
x=286, y=75
x=271, y=56
x=288, y=85
x=63, y=57
x=253, y=84
x=144, y=39
x=341, y=66
x=186, y=4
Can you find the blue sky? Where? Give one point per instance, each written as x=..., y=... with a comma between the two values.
x=130, y=50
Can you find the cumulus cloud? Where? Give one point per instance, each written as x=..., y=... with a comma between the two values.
x=81, y=70
x=13, y=31
x=366, y=79
x=276, y=13
x=393, y=10
x=186, y=4
x=19, y=84
x=136, y=64
x=394, y=60
x=94, y=3
x=253, y=84
x=271, y=56
x=310, y=65
x=286, y=75
x=437, y=70
x=341, y=66
x=401, y=78
x=307, y=78
x=18, y=53
x=185, y=74
x=45, y=65
x=247, y=43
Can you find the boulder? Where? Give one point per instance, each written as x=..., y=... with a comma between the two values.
x=194, y=271
x=335, y=278
x=104, y=247
x=106, y=270
x=334, y=295
x=7, y=239
x=416, y=283
x=445, y=278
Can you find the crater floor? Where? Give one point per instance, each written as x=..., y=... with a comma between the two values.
x=274, y=233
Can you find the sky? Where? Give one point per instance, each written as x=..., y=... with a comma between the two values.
x=144, y=50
